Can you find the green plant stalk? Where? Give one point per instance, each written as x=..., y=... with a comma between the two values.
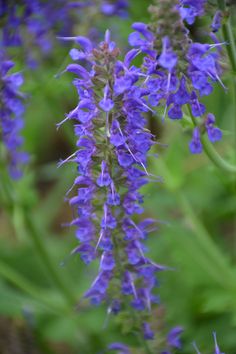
x=35, y=237
x=139, y=336
x=216, y=265
x=143, y=342
x=45, y=258
x=231, y=51
x=20, y=282
x=228, y=37
x=211, y=152
x=206, y=242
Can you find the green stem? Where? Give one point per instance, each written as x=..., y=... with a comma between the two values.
x=221, y=4
x=228, y=37
x=205, y=241
x=38, y=243
x=211, y=152
x=20, y=282
x=139, y=335
x=143, y=342
x=216, y=265
x=45, y=258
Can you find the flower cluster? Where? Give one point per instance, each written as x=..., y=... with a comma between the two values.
x=113, y=143
x=214, y=134
x=190, y=9
x=11, y=111
x=172, y=340
x=178, y=71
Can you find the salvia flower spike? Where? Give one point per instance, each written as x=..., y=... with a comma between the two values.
x=11, y=115
x=179, y=71
x=113, y=142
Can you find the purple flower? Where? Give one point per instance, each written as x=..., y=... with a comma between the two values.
x=175, y=112
x=107, y=261
x=11, y=115
x=168, y=59
x=195, y=145
x=147, y=332
x=121, y=348
x=197, y=108
x=143, y=29
x=173, y=337
x=190, y=9
x=216, y=23
x=106, y=103
x=104, y=178
x=214, y=133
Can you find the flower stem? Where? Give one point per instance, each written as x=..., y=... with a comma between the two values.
x=45, y=258
x=142, y=341
x=228, y=37
x=211, y=152
x=18, y=280
x=36, y=239
x=215, y=264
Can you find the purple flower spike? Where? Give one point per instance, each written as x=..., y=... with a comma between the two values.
x=178, y=70
x=111, y=157
x=11, y=116
x=195, y=145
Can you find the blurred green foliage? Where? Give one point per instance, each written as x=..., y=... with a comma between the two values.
x=195, y=204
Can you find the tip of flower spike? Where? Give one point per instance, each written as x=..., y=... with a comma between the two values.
x=107, y=36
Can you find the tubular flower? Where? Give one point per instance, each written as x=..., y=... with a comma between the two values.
x=190, y=9
x=178, y=71
x=113, y=143
x=11, y=112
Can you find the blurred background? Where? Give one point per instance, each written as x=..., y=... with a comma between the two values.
x=195, y=205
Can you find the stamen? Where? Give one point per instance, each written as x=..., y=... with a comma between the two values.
x=68, y=159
